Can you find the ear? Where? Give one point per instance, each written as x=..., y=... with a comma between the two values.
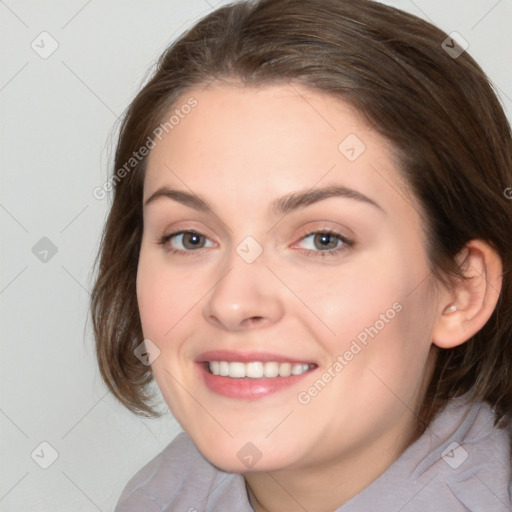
x=465, y=308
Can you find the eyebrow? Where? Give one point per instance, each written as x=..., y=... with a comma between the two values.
x=281, y=206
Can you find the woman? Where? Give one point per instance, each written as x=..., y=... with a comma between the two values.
x=309, y=250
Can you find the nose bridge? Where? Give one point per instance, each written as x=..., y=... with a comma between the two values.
x=246, y=293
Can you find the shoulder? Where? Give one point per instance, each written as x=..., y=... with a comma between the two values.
x=465, y=458
x=474, y=459
x=180, y=478
x=462, y=462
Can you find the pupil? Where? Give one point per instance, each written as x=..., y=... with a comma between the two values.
x=325, y=241
x=192, y=239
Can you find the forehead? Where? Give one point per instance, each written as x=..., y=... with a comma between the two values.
x=261, y=143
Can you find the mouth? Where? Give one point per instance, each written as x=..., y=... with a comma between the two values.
x=256, y=369
x=251, y=376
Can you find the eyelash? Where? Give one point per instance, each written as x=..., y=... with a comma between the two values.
x=346, y=243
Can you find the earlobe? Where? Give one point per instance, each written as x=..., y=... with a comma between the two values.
x=450, y=309
x=466, y=308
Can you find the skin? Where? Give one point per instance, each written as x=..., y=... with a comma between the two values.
x=241, y=149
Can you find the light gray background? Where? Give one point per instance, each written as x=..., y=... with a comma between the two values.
x=58, y=125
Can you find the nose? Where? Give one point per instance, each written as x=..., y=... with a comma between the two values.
x=245, y=297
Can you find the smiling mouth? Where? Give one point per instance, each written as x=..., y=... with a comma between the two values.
x=257, y=369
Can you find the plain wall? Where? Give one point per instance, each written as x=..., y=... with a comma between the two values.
x=58, y=118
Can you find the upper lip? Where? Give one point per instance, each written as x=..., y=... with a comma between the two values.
x=247, y=357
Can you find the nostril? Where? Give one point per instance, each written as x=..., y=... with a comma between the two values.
x=254, y=320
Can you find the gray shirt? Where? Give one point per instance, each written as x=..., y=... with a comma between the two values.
x=461, y=463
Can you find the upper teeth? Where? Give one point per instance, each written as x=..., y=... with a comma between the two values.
x=256, y=369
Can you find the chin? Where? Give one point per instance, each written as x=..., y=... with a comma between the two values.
x=246, y=457
x=230, y=465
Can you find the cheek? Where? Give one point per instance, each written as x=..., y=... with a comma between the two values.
x=376, y=308
x=347, y=299
x=153, y=300
x=165, y=298
x=376, y=359
x=384, y=336
x=165, y=294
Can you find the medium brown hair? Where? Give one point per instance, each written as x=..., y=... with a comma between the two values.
x=438, y=110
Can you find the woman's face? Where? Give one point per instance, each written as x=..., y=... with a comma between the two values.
x=303, y=267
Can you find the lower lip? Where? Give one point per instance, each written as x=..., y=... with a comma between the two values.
x=248, y=388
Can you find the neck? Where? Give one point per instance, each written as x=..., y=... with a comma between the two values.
x=325, y=487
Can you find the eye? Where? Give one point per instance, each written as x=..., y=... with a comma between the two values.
x=324, y=243
x=184, y=241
